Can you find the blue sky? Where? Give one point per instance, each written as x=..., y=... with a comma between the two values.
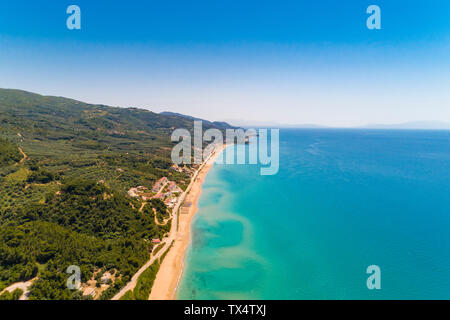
x=285, y=61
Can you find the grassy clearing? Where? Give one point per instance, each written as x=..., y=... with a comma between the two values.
x=18, y=176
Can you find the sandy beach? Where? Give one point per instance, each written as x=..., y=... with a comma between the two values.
x=171, y=270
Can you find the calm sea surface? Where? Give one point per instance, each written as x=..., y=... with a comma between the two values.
x=343, y=200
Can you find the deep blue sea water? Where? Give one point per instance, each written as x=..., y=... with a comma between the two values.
x=342, y=200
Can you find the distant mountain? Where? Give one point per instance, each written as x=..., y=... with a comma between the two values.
x=420, y=125
x=272, y=124
x=221, y=125
x=304, y=126
x=26, y=110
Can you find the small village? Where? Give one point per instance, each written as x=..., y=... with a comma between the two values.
x=163, y=189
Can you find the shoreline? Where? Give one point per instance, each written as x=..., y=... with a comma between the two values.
x=172, y=268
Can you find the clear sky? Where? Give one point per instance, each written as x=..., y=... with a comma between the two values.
x=291, y=62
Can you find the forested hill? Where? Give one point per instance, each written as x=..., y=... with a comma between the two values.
x=65, y=169
x=58, y=118
x=65, y=135
x=217, y=124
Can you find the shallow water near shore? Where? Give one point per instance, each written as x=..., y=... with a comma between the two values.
x=343, y=200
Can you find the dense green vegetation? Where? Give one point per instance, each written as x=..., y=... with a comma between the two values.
x=8, y=153
x=48, y=249
x=15, y=295
x=161, y=209
x=144, y=284
x=65, y=201
x=92, y=208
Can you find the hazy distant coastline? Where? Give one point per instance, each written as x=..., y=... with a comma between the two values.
x=424, y=125
x=412, y=125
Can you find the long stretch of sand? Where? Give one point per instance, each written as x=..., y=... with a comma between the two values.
x=171, y=270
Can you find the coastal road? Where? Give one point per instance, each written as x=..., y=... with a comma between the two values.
x=132, y=284
x=167, y=241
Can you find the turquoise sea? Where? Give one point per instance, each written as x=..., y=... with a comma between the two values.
x=342, y=200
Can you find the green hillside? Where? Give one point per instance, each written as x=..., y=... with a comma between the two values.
x=63, y=201
x=9, y=153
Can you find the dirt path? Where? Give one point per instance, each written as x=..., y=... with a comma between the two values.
x=154, y=212
x=162, y=188
x=25, y=157
x=24, y=286
x=156, y=219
